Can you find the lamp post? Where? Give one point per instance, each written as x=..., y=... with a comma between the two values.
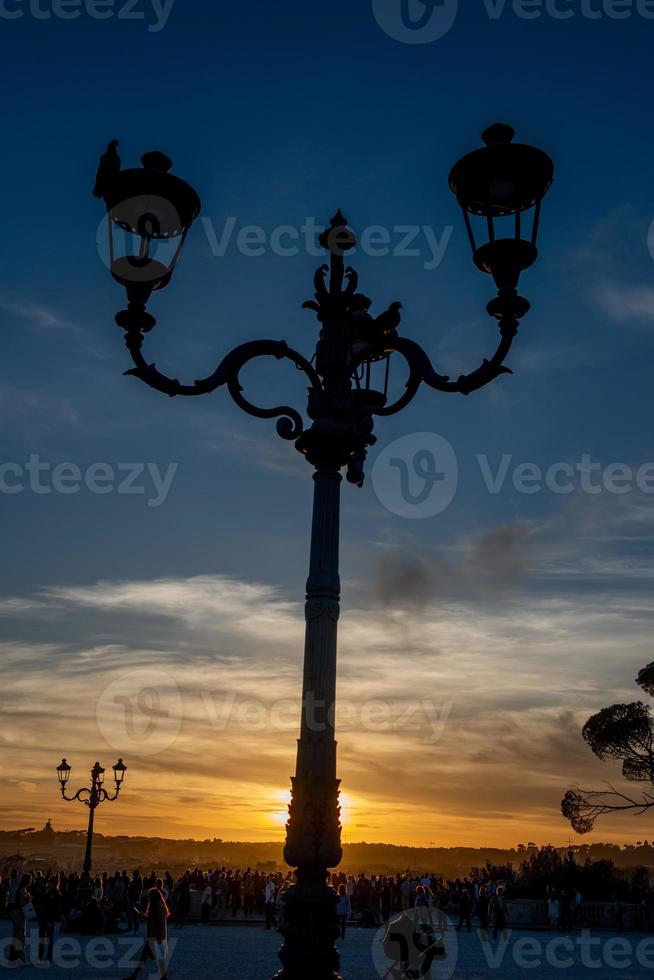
x=92, y=797
x=500, y=184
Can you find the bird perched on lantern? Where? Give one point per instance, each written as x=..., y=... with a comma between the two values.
x=389, y=321
x=367, y=329
x=108, y=167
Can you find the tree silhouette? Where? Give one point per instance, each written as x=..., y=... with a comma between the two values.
x=624, y=732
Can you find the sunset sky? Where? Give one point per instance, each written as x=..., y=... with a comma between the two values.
x=474, y=643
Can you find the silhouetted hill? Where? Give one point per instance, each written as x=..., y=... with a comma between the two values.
x=64, y=849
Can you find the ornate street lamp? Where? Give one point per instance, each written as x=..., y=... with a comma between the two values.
x=92, y=797
x=501, y=181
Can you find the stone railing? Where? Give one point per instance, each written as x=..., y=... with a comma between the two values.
x=592, y=915
x=528, y=913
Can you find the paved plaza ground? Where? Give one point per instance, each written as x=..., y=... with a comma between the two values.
x=249, y=953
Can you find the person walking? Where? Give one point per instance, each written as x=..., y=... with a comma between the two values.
x=405, y=894
x=500, y=914
x=442, y=903
x=281, y=905
x=118, y=896
x=207, y=904
x=47, y=914
x=156, y=941
x=183, y=899
x=235, y=893
x=483, y=903
x=465, y=911
x=19, y=919
x=386, y=900
x=270, y=898
x=247, y=888
x=134, y=891
x=343, y=909
x=423, y=916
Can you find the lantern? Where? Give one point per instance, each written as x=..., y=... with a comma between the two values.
x=63, y=774
x=503, y=183
x=119, y=773
x=149, y=214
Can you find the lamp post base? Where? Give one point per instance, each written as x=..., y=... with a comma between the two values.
x=310, y=930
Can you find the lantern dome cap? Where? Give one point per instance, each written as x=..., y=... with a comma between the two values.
x=156, y=160
x=150, y=200
x=502, y=178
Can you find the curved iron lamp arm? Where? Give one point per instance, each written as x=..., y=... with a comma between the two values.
x=83, y=795
x=90, y=797
x=105, y=796
x=421, y=370
x=290, y=424
x=340, y=409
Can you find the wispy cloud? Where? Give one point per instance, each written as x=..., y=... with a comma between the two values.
x=37, y=315
x=625, y=302
x=608, y=262
x=37, y=414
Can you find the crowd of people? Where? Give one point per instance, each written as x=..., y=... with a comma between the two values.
x=120, y=903
x=86, y=906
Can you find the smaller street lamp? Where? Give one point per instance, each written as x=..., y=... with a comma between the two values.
x=92, y=796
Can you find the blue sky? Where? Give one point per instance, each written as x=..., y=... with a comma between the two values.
x=277, y=113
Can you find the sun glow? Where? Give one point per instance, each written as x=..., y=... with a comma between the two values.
x=278, y=815
x=278, y=812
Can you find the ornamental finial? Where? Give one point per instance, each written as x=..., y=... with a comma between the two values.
x=498, y=133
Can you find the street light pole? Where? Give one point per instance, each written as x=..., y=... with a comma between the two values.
x=86, y=867
x=348, y=379
x=313, y=842
x=92, y=796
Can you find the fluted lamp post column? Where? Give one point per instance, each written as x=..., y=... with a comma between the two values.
x=500, y=188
